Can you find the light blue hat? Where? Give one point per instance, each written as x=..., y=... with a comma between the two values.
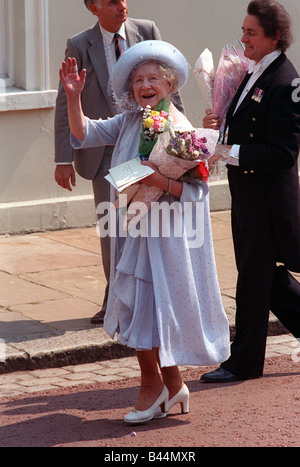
x=148, y=50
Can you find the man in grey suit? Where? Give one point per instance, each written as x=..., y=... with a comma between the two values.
x=96, y=50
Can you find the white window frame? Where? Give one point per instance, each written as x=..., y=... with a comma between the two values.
x=6, y=71
x=27, y=86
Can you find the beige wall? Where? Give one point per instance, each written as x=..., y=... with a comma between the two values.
x=30, y=200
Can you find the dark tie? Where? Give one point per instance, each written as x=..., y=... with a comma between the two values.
x=117, y=46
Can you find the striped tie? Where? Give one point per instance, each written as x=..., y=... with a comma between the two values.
x=117, y=46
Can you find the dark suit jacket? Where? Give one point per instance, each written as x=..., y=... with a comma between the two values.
x=87, y=47
x=269, y=135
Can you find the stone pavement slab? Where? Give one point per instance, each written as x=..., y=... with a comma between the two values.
x=52, y=283
x=42, y=252
x=17, y=291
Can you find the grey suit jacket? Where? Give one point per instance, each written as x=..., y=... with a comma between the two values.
x=87, y=47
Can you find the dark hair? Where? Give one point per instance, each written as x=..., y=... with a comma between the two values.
x=273, y=17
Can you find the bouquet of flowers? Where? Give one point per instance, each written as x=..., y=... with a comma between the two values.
x=187, y=144
x=178, y=154
x=190, y=145
x=155, y=122
x=204, y=73
x=231, y=71
x=218, y=88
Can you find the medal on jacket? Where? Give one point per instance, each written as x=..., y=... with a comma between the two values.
x=258, y=95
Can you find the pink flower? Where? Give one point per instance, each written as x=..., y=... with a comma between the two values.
x=157, y=125
x=164, y=114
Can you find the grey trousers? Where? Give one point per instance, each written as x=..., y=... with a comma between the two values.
x=101, y=189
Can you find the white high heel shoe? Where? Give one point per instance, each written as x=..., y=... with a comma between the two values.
x=142, y=416
x=182, y=398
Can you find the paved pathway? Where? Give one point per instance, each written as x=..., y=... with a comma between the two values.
x=64, y=383
x=52, y=284
x=29, y=382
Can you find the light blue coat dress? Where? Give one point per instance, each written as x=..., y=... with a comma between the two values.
x=164, y=290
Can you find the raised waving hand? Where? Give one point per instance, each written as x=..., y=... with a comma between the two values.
x=74, y=84
x=72, y=81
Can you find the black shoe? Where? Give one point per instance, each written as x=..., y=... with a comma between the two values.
x=220, y=376
x=98, y=318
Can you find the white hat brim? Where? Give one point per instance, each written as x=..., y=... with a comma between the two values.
x=148, y=50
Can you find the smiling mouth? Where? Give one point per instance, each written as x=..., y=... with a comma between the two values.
x=150, y=96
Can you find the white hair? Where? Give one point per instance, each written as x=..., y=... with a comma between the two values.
x=96, y=2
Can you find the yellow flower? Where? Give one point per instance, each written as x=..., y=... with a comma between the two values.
x=154, y=112
x=148, y=123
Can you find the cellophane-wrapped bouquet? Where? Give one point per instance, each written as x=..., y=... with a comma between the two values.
x=231, y=71
x=218, y=88
x=204, y=73
x=178, y=154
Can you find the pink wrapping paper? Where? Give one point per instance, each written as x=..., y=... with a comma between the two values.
x=169, y=166
x=231, y=70
x=219, y=87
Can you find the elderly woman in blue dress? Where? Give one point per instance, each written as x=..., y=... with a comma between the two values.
x=164, y=298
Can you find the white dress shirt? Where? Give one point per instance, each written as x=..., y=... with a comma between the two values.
x=110, y=53
x=109, y=46
x=257, y=70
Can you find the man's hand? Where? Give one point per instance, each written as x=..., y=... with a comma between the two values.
x=64, y=174
x=222, y=153
x=211, y=120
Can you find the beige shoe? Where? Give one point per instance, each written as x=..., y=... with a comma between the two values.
x=142, y=416
x=182, y=398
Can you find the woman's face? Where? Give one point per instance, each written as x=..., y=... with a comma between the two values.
x=149, y=86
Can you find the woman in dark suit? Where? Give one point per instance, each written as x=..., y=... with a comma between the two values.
x=263, y=125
